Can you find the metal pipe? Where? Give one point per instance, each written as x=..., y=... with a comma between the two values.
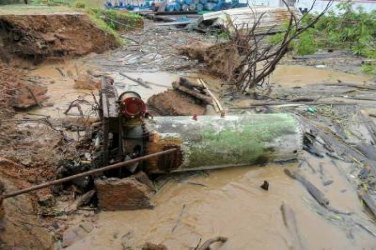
x=94, y=171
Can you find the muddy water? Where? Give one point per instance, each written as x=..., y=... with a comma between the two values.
x=296, y=75
x=232, y=204
x=61, y=89
x=228, y=202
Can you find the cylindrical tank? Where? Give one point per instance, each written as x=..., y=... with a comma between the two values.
x=208, y=142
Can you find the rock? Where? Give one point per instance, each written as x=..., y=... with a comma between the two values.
x=123, y=194
x=76, y=233
x=87, y=82
x=29, y=94
x=127, y=241
x=47, y=200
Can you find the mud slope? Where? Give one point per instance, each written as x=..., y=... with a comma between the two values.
x=39, y=36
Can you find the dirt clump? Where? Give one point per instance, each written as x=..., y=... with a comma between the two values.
x=8, y=79
x=37, y=37
x=175, y=103
x=221, y=59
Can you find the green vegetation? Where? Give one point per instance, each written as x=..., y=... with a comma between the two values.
x=73, y=3
x=118, y=20
x=353, y=29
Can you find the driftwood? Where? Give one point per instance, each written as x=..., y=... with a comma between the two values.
x=312, y=189
x=206, y=99
x=289, y=220
x=209, y=242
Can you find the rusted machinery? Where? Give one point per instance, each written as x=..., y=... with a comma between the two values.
x=129, y=139
x=207, y=142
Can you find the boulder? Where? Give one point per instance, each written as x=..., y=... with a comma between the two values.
x=129, y=193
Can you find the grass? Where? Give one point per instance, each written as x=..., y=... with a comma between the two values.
x=353, y=29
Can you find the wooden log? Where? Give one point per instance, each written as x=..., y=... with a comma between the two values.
x=189, y=84
x=195, y=94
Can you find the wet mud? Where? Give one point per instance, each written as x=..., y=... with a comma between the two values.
x=228, y=202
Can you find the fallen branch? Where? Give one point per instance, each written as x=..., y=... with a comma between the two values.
x=215, y=100
x=206, y=99
x=139, y=81
x=143, y=83
x=178, y=219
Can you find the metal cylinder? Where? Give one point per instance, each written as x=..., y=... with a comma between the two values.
x=209, y=142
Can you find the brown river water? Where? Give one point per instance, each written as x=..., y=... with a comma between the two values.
x=228, y=202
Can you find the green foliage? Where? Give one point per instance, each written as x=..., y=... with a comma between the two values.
x=118, y=20
x=104, y=26
x=306, y=43
x=369, y=69
x=353, y=29
x=276, y=39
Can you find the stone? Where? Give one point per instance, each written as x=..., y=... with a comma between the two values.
x=47, y=200
x=124, y=194
x=29, y=94
x=76, y=233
